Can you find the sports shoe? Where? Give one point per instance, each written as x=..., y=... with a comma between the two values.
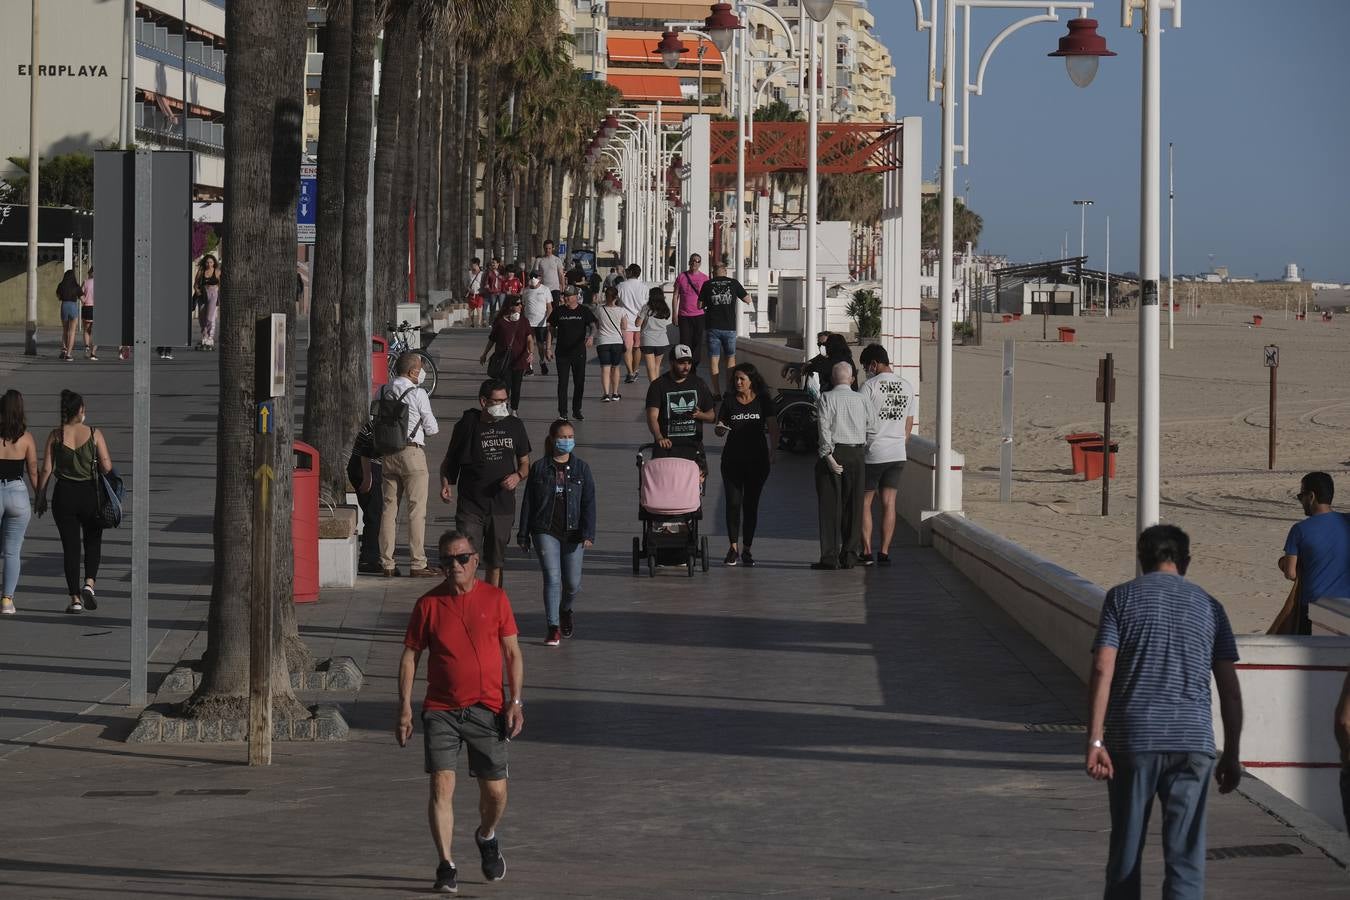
x=865, y=559
x=731, y=558
x=577, y=415
x=445, y=879
x=93, y=357
x=883, y=559
x=75, y=607
x=370, y=569
x=605, y=398
x=494, y=867
x=567, y=623
x=87, y=595
x=554, y=636
x=424, y=572
x=7, y=606
x=543, y=368
x=629, y=378
x=616, y=396
x=746, y=559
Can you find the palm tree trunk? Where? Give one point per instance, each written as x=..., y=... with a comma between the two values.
x=490, y=163
x=264, y=110
x=355, y=338
x=450, y=152
x=428, y=137
x=323, y=430
x=469, y=168
x=388, y=153
x=403, y=187
x=557, y=183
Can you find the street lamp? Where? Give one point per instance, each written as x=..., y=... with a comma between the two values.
x=722, y=25
x=1082, y=233
x=670, y=49
x=1077, y=43
x=819, y=10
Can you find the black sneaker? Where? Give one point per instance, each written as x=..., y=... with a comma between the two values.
x=865, y=559
x=566, y=621
x=543, y=368
x=883, y=559
x=494, y=866
x=746, y=559
x=824, y=566
x=445, y=879
x=577, y=415
x=731, y=558
x=87, y=595
x=370, y=569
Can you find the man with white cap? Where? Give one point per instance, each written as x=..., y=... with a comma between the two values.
x=678, y=403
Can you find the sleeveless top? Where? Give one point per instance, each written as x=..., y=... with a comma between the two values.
x=78, y=464
x=12, y=469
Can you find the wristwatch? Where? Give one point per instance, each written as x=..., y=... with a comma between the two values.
x=517, y=703
x=1097, y=743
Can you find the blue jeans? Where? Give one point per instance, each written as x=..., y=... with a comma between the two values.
x=561, y=564
x=721, y=342
x=494, y=303
x=1181, y=783
x=17, y=510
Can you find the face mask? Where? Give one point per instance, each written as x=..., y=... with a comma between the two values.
x=514, y=317
x=499, y=410
x=820, y=347
x=534, y=282
x=565, y=445
x=421, y=376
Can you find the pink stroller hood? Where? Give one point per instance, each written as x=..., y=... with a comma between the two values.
x=669, y=486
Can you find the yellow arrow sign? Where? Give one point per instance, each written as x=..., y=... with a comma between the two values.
x=265, y=474
x=264, y=418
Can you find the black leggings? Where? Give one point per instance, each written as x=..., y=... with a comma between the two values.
x=694, y=333
x=75, y=509
x=512, y=380
x=742, y=485
x=573, y=368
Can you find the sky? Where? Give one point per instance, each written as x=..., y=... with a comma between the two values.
x=1255, y=98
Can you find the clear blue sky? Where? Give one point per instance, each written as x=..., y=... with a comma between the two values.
x=1256, y=98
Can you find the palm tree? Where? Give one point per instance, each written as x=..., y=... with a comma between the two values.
x=966, y=224
x=394, y=63
x=264, y=111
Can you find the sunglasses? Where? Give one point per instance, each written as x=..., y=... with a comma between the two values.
x=462, y=558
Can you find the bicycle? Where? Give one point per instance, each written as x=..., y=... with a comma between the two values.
x=795, y=409
x=399, y=345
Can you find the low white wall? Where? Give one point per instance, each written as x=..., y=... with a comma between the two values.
x=768, y=357
x=1289, y=684
x=918, y=488
x=337, y=561
x=1330, y=617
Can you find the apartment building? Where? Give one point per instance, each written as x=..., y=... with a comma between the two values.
x=632, y=30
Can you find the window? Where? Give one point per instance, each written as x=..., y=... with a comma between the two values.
x=585, y=40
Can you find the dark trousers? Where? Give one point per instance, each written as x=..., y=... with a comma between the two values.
x=1180, y=781
x=75, y=509
x=571, y=368
x=840, y=502
x=540, y=342
x=513, y=379
x=742, y=485
x=1345, y=795
x=694, y=333
x=372, y=508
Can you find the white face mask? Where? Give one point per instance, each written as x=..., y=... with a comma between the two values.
x=499, y=410
x=534, y=282
x=421, y=375
x=514, y=317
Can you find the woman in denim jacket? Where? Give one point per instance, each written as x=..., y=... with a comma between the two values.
x=557, y=518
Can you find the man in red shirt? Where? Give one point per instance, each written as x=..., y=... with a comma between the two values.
x=467, y=628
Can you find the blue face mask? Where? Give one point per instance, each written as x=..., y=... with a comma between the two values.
x=565, y=445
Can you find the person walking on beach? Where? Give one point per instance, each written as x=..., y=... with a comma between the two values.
x=488, y=457
x=892, y=397
x=632, y=297
x=678, y=403
x=18, y=456
x=511, y=343
x=611, y=326
x=718, y=299
x=206, y=288
x=1317, y=550
x=68, y=292
x=570, y=329
x=689, y=316
x=75, y=455
x=538, y=303
x=1150, y=728
x=364, y=471
x=87, y=315
x=747, y=419
x=468, y=632
x=404, y=475
x=557, y=520
x=552, y=271
x=654, y=331
x=847, y=422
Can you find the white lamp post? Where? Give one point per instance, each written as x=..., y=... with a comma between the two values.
x=1082, y=241
x=1081, y=41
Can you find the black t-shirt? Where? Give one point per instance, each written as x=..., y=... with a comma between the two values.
x=748, y=423
x=569, y=329
x=558, y=522
x=676, y=403
x=719, y=296
x=494, y=449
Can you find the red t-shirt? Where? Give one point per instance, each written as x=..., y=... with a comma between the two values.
x=513, y=338
x=511, y=284
x=462, y=634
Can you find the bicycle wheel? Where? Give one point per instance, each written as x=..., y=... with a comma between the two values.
x=429, y=367
x=393, y=366
x=797, y=428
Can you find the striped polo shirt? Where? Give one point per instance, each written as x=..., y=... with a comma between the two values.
x=1168, y=633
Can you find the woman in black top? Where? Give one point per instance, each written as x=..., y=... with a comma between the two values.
x=835, y=350
x=746, y=418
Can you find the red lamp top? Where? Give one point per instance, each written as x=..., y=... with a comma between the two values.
x=1082, y=40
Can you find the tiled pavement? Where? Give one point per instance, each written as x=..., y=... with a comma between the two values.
x=767, y=731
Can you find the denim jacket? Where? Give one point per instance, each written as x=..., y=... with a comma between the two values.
x=536, y=511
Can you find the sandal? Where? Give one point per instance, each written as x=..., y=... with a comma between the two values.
x=75, y=607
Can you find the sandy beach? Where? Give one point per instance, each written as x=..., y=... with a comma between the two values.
x=1215, y=483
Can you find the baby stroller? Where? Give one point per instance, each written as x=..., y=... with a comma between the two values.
x=670, y=506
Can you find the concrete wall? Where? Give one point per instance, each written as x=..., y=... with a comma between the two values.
x=14, y=292
x=918, y=486
x=1289, y=684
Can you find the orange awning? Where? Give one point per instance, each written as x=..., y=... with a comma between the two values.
x=643, y=50
x=648, y=87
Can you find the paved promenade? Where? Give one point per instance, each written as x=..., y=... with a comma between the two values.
x=744, y=732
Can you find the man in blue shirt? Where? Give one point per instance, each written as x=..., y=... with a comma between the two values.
x=1150, y=730
x=1317, y=551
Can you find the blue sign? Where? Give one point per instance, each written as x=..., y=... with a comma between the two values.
x=266, y=423
x=305, y=208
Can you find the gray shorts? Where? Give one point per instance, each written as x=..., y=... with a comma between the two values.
x=445, y=731
x=490, y=534
x=882, y=475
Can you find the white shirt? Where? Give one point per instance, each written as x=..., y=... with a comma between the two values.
x=551, y=271
x=421, y=423
x=893, y=399
x=632, y=297
x=536, y=300
x=609, y=321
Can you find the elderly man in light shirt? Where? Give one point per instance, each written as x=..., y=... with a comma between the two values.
x=847, y=422
x=405, y=472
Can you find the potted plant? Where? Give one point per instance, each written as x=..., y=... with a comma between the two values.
x=964, y=331
x=865, y=311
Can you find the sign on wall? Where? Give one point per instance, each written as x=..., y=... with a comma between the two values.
x=305, y=213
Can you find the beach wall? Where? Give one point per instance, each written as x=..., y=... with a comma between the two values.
x=918, y=485
x=1289, y=684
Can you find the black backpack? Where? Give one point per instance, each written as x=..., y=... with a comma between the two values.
x=389, y=422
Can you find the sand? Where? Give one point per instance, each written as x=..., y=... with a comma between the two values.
x=1215, y=482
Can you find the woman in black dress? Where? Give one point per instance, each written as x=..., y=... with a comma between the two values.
x=747, y=420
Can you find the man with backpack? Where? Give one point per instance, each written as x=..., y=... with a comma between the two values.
x=401, y=423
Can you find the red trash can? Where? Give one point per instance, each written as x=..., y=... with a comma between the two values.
x=379, y=362
x=1257, y=320
x=1066, y=334
x=1092, y=460
x=1076, y=442
x=305, y=522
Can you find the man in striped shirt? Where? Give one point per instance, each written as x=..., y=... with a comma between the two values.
x=846, y=422
x=1150, y=730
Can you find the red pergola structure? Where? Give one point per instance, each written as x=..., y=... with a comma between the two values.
x=843, y=147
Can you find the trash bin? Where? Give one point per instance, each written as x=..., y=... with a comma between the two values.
x=1076, y=442
x=379, y=362
x=305, y=522
x=1092, y=460
x=1066, y=334
x=1007, y=317
x=1257, y=320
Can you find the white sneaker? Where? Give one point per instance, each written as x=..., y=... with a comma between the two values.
x=7, y=607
